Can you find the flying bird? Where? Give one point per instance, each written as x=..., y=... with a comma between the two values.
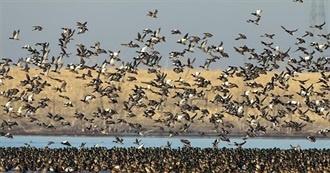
x=318, y=26
x=119, y=140
x=257, y=13
x=66, y=143
x=15, y=35
x=37, y=28
x=291, y=32
x=153, y=14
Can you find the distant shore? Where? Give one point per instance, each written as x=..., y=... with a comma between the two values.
x=165, y=135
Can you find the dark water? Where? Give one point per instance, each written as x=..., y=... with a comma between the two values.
x=260, y=142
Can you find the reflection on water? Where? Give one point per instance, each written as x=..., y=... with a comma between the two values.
x=42, y=141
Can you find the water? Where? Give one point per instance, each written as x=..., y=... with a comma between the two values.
x=260, y=142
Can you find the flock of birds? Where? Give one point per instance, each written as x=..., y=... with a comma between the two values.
x=184, y=95
x=101, y=159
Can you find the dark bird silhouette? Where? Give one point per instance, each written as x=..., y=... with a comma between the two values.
x=291, y=32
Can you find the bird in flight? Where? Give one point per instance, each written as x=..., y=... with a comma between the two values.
x=291, y=32
x=318, y=26
x=15, y=35
x=153, y=14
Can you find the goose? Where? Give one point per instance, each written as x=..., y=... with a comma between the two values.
x=50, y=143
x=224, y=138
x=271, y=36
x=291, y=32
x=7, y=135
x=256, y=21
x=143, y=133
x=203, y=46
x=88, y=98
x=137, y=142
x=184, y=39
x=37, y=28
x=66, y=143
x=140, y=146
x=190, y=63
x=311, y=138
x=308, y=33
x=299, y=41
x=297, y=148
x=257, y=13
x=207, y=35
x=190, y=47
x=153, y=14
x=140, y=38
x=185, y=142
x=240, y=36
x=147, y=31
x=318, y=26
x=206, y=65
x=238, y=145
x=15, y=35
x=118, y=140
x=175, y=31
x=114, y=55
x=82, y=27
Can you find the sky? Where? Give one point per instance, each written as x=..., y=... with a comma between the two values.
x=115, y=22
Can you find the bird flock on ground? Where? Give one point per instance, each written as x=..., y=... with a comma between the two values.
x=184, y=101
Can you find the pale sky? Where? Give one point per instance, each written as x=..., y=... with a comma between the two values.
x=117, y=21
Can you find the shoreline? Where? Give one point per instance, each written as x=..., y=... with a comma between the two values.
x=165, y=135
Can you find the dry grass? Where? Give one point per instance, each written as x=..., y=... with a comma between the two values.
x=76, y=89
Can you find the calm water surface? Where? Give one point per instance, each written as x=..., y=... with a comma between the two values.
x=261, y=142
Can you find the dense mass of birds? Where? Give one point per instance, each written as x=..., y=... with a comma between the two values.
x=22, y=103
x=99, y=159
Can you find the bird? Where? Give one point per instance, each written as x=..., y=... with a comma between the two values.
x=256, y=21
x=66, y=143
x=118, y=140
x=137, y=141
x=257, y=13
x=37, y=28
x=291, y=32
x=239, y=145
x=15, y=35
x=141, y=146
x=82, y=27
x=207, y=35
x=153, y=14
x=240, y=36
x=175, y=31
x=311, y=138
x=271, y=36
x=185, y=142
x=50, y=142
x=318, y=26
